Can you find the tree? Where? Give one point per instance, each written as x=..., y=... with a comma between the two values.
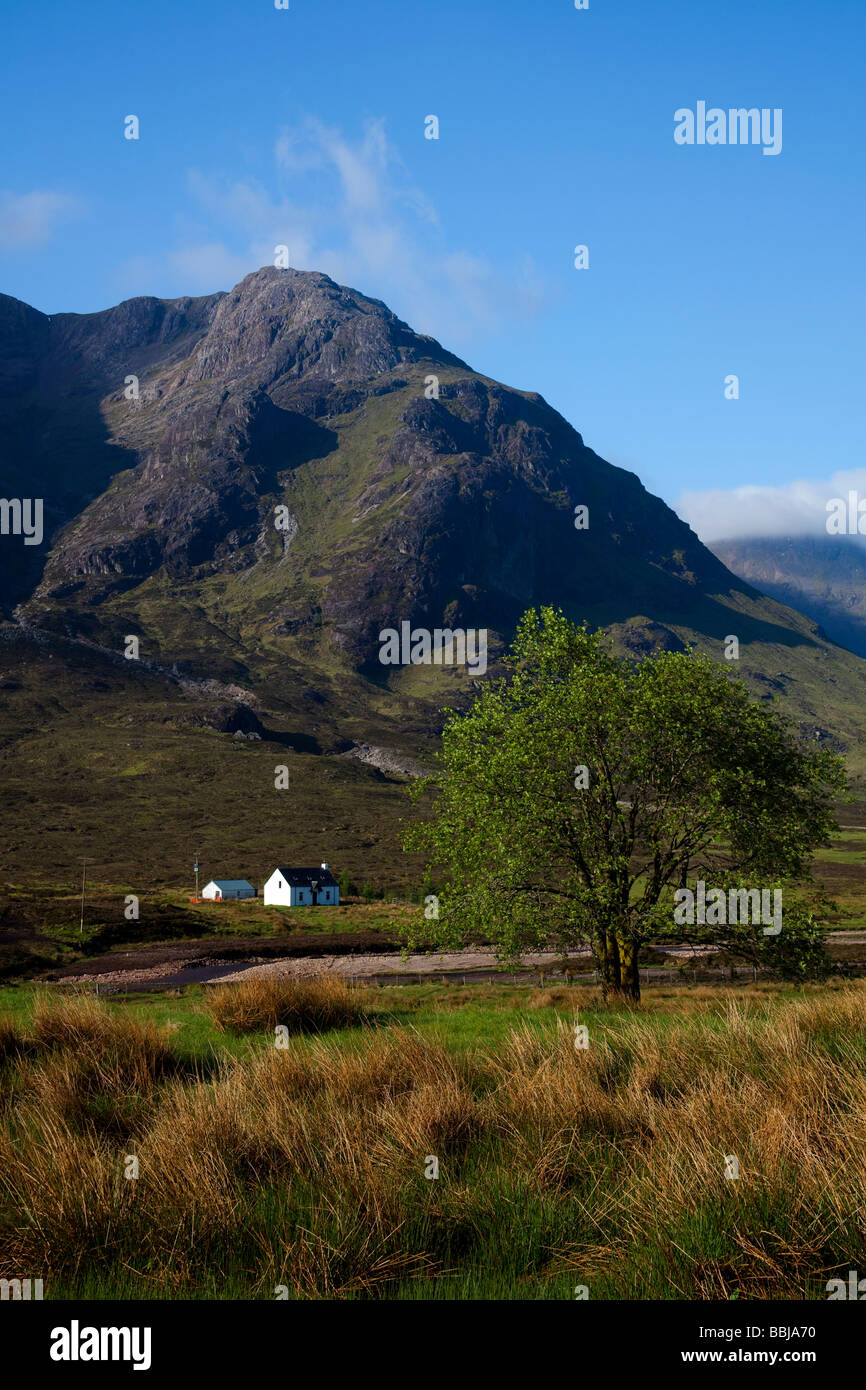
x=797, y=953
x=580, y=791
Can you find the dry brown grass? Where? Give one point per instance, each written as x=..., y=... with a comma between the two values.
x=305, y=1166
x=302, y=1006
x=66, y=1184
x=124, y=1051
x=11, y=1041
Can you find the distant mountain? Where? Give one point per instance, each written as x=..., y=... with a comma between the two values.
x=824, y=577
x=168, y=439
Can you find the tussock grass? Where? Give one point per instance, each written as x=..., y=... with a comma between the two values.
x=127, y=1050
x=11, y=1042
x=305, y=1166
x=87, y=1065
x=303, y=1006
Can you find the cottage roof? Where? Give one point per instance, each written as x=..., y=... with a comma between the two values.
x=224, y=883
x=305, y=878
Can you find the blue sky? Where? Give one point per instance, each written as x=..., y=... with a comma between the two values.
x=306, y=127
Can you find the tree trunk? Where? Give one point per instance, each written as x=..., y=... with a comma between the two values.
x=619, y=968
x=629, y=970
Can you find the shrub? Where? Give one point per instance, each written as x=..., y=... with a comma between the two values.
x=303, y=1006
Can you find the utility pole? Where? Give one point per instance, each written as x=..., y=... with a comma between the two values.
x=195, y=867
x=85, y=860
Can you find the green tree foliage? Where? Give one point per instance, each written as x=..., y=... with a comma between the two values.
x=797, y=953
x=580, y=791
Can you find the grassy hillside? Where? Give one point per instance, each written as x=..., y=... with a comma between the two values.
x=103, y=758
x=99, y=760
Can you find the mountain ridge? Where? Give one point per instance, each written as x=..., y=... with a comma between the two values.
x=316, y=353
x=821, y=576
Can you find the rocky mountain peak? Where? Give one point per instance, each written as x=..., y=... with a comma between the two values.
x=291, y=324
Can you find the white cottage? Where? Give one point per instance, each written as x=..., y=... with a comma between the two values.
x=221, y=889
x=301, y=887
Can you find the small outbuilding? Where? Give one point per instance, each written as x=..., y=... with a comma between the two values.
x=220, y=890
x=301, y=887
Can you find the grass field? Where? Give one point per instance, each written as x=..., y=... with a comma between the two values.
x=40, y=921
x=40, y=927
x=303, y=1167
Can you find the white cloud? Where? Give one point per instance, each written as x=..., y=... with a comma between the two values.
x=348, y=208
x=794, y=509
x=31, y=219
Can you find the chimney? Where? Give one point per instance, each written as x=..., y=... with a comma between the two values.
x=324, y=865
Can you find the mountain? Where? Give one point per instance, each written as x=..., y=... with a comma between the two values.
x=256, y=484
x=293, y=390
x=822, y=576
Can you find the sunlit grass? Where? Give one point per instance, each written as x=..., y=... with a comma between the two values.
x=304, y=1167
